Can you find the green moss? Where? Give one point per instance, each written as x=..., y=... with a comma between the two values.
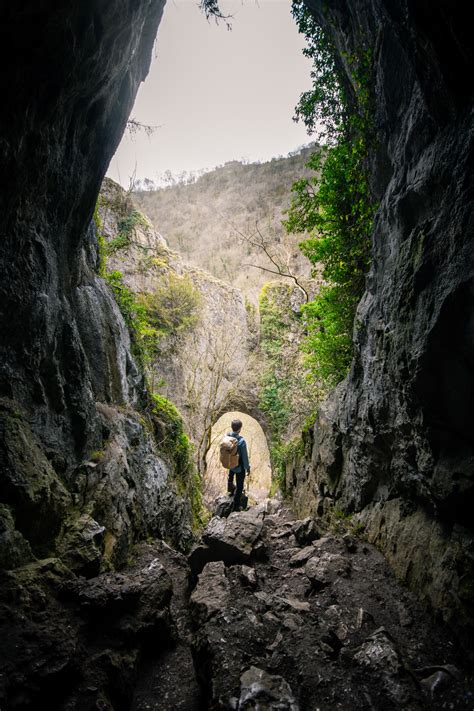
x=102, y=257
x=281, y=456
x=125, y=228
x=180, y=450
x=144, y=336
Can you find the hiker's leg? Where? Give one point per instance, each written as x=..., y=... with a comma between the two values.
x=230, y=482
x=239, y=478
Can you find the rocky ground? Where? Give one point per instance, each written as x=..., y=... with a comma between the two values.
x=265, y=613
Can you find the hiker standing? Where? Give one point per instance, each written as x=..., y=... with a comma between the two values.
x=242, y=467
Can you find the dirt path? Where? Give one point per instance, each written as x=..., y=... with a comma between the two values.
x=295, y=623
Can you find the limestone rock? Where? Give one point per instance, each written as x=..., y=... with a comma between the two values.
x=325, y=568
x=305, y=531
x=223, y=506
x=301, y=557
x=28, y=482
x=233, y=539
x=280, y=604
x=350, y=543
x=400, y=425
x=265, y=692
x=379, y=654
x=212, y=593
x=14, y=548
x=81, y=545
x=248, y=576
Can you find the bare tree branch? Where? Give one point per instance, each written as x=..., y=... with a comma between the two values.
x=134, y=127
x=264, y=245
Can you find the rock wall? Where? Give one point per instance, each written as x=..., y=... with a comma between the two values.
x=77, y=459
x=395, y=440
x=204, y=366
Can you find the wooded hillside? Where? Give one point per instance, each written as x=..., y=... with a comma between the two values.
x=202, y=219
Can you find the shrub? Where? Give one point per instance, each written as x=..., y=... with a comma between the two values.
x=174, y=306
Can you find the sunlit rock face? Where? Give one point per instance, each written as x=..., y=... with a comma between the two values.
x=69, y=78
x=396, y=439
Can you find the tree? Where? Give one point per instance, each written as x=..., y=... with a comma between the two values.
x=279, y=257
x=334, y=206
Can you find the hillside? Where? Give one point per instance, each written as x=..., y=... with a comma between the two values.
x=202, y=220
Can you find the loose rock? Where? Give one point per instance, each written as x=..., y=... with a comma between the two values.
x=265, y=692
x=212, y=593
x=305, y=531
x=323, y=569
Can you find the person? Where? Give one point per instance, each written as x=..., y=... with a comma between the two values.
x=243, y=466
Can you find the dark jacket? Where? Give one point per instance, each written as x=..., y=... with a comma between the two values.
x=244, y=464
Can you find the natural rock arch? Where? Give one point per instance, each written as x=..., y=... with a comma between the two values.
x=246, y=402
x=215, y=477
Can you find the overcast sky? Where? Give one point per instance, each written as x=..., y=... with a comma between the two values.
x=218, y=95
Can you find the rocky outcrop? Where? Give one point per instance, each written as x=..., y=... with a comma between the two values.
x=68, y=642
x=201, y=361
x=395, y=440
x=82, y=472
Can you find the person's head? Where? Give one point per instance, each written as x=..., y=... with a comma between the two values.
x=236, y=425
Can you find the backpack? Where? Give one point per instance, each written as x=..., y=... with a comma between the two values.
x=228, y=452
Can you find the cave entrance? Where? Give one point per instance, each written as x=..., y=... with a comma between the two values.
x=215, y=478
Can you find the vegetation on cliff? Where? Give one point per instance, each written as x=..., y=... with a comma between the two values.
x=167, y=310
x=286, y=394
x=207, y=219
x=333, y=206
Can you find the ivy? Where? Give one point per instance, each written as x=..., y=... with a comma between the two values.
x=143, y=335
x=125, y=229
x=334, y=207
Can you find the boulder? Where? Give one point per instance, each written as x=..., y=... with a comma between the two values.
x=81, y=545
x=135, y=606
x=301, y=557
x=305, y=531
x=379, y=654
x=212, y=593
x=322, y=570
x=291, y=604
x=248, y=576
x=265, y=692
x=223, y=506
x=232, y=540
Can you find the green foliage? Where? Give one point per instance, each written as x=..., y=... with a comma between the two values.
x=177, y=445
x=274, y=386
x=323, y=109
x=334, y=206
x=281, y=456
x=174, y=306
x=144, y=336
x=125, y=231
x=101, y=262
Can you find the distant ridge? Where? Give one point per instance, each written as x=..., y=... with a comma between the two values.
x=202, y=219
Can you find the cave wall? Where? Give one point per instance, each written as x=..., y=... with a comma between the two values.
x=395, y=440
x=72, y=440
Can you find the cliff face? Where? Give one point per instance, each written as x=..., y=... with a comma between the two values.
x=201, y=356
x=395, y=440
x=72, y=444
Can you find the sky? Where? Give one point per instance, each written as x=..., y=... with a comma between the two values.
x=217, y=95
